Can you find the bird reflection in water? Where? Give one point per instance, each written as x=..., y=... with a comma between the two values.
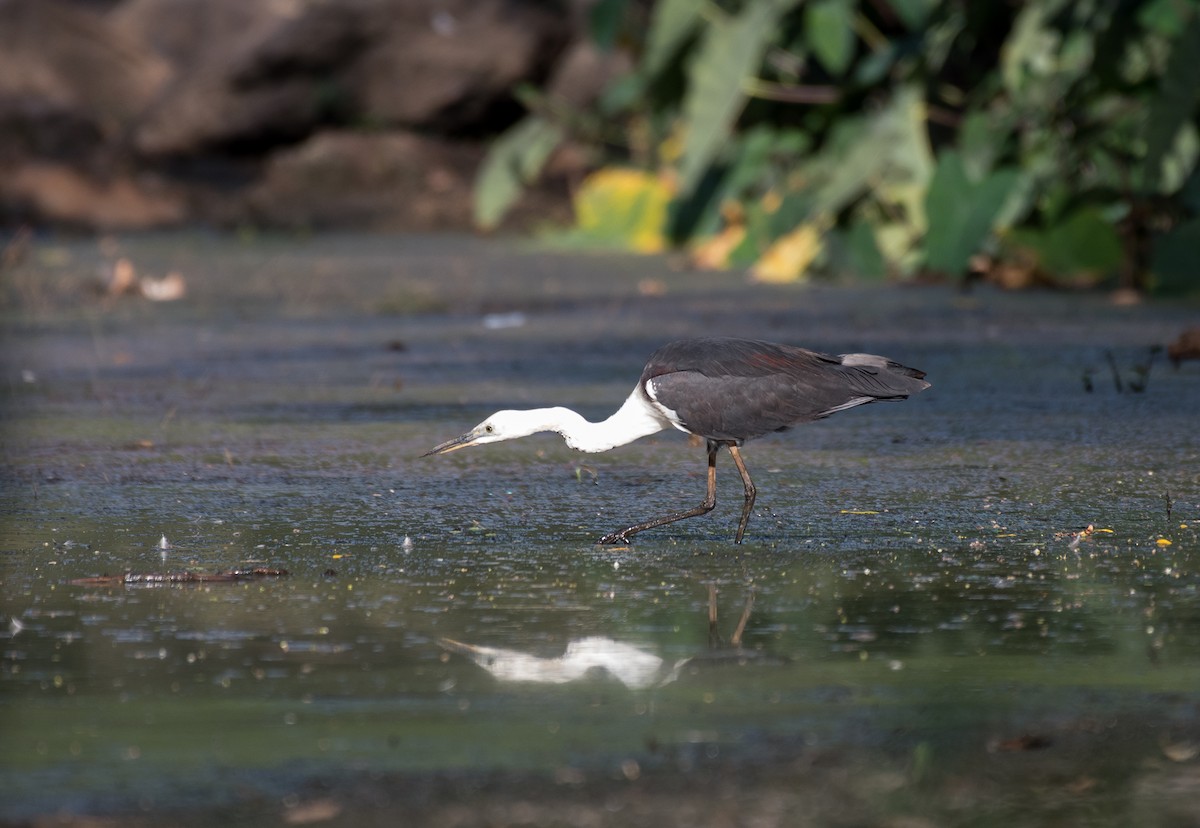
x=598, y=657
x=592, y=657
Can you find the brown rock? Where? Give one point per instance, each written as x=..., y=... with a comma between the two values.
x=290, y=69
x=60, y=58
x=70, y=87
x=377, y=180
x=136, y=113
x=256, y=84
x=584, y=71
x=448, y=65
x=60, y=194
x=186, y=32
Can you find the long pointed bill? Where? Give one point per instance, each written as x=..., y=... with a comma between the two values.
x=457, y=443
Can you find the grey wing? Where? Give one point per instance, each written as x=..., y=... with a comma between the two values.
x=736, y=389
x=739, y=408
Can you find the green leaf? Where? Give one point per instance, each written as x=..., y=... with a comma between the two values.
x=759, y=235
x=829, y=30
x=980, y=144
x=961, y=213
x=796, y=208
x=748, y=173
x=941, y=37
x=1180, y=161
x=731, y=51
x=516, y=158
x=1084, y=243
x=1166, y=17
x=1176, y=262
x=1173, y=106
x=913, y=13
x=621, y=94
x=862, y=252
x=873, y=67
x=604, y=22
x=1189, y=193
x=889, y=150
x=1031, y=52
x=671, y=23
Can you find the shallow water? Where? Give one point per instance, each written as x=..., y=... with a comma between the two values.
x=913, y=628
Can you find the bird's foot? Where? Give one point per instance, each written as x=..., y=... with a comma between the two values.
x=613, y=538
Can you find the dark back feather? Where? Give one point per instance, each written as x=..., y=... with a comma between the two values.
x=736, y=389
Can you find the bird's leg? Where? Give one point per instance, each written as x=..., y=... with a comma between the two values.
x=710, y=500
x=750, y=491
x=736, y=640
x=714, y=635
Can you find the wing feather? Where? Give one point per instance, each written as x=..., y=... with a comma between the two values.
x=736, y=389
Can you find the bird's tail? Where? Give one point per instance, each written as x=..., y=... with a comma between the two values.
x=881, y=378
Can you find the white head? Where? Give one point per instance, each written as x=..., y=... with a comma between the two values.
x=503, y=425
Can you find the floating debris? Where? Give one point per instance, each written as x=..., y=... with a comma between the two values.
x=155, y=578
x=1078, y=536
x=14, y=251
x=499, y=321
x=120, y=278
x=1028, y=741
x=652, y=287
x=1185, y=346
x=1081, y=535
x=167, y=289
x=1180, y=751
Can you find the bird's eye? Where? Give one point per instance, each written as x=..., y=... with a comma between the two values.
x=489, y=428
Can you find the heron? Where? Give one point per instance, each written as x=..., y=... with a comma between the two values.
x=725, y=390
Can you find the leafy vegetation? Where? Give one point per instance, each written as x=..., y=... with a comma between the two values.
x=1049, y=141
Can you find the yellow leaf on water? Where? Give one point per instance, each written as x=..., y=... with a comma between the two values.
x=788, y=258
x=625, y=207
x=1163, y=542
x=713, y=252
x=859, y=512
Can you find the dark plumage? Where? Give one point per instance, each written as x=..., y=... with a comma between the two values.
x=733, y=390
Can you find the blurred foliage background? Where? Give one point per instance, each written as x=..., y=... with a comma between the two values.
x=1044, y=142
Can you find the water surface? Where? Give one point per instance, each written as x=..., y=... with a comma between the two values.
x=918, y=626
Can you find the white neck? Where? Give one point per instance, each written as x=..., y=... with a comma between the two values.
x=635, y=419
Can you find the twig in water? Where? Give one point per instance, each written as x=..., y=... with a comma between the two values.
x=1116, y=374
x=1143, y=371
